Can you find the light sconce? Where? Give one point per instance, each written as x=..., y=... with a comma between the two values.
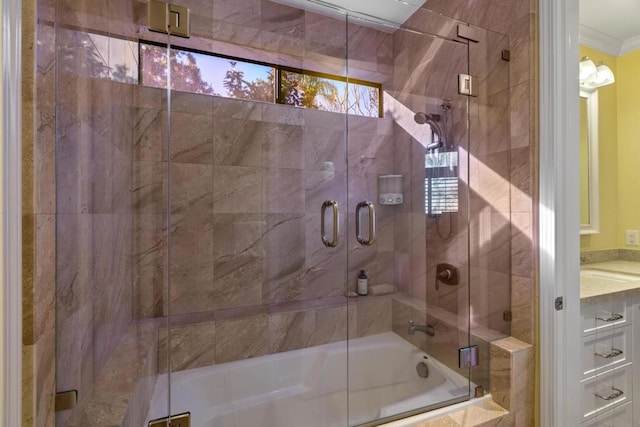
x=592, y=77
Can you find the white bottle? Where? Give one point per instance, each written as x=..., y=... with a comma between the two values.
x=362, y=284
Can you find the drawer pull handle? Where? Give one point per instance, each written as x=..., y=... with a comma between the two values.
x=614, y=317
x=615, y=393
x=613, y=353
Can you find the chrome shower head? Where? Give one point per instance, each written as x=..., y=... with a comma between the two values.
x=431, y=120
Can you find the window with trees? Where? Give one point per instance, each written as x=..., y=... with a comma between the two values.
x=211, y=74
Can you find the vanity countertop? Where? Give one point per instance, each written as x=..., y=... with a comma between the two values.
x=593, y=289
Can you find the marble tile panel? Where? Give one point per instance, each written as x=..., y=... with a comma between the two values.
x=291, y=331
x=521, y=105
x=522, y=245
x=73, y=265
x=189, y=346
x=512, y=376
x=283, y=44
x=45, y=379
x=522, y=32
x=325, y=268
x=191, y=277
x=490, y=240
x=150, y=265
x=237, y=34
x=236, y=109
x=111, y=291
x=324, y=35
x=374, y=315
x=45, y=122
x=150, y=187
x=490, y=132
x=145, y=97
x=237, y=190
x=321, y=186
x=427, y=21
x=521, y=177
x=324, y=147
x=191, y=137
x=283, y=146
x=242, y=338
x=474, y=13
x=490, y=182
x=244, y=12
x=490, y=297
x=148, y=140
x=283, y=191
x=334, y=324
x=282, y=114
x=238, y=142
x=189, y=103
x=279, y=18
x=237, y=282
x=522, y=307
x=29, y=384
x=283, y=266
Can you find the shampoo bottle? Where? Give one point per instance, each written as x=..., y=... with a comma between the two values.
x=362, y=284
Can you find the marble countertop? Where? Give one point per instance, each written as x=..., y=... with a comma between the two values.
x=593, y=287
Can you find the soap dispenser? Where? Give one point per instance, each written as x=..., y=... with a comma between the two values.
x=362, y=284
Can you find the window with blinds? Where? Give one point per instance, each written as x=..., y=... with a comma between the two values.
x=441, y=183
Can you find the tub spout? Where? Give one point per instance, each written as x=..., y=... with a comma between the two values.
x=427, y=329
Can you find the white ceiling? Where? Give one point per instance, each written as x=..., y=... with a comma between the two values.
x=612, y=26
x=385, y=15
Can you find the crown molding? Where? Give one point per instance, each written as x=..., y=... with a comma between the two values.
x=629, y=45
x=602, y=42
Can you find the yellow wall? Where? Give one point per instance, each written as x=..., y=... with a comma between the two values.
x=608, y=159
x=628, y=145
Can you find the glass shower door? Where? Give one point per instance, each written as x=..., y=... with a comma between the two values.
x=257, y=229
x=408, y=175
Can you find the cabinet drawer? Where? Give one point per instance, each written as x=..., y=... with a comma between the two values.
x=606, y=351
x=604, y=316
x=606, y=391
x=618, y=417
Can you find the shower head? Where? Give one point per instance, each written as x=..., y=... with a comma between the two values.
x=431, y=120
x=424, y=118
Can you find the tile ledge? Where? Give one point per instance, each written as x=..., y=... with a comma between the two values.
x=482, y=412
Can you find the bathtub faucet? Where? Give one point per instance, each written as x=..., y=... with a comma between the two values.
x=427, y=329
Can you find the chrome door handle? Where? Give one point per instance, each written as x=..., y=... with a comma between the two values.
x=613, y=353
x=614, y=317
x=372, y=223
x=334, y=239
x=615, y=393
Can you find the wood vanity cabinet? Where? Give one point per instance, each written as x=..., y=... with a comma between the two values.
x=609, y=373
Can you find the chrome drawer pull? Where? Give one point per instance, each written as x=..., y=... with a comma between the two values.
x=612, y=318
x=613, y=353
x=614, y=394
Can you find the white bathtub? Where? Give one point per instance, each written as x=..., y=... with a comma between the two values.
x=308, y=387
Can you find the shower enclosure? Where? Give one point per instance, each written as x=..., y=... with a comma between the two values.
x=218, y=196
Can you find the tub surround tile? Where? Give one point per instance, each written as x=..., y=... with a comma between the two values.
x=186, y=347
x=374, y=316
x=512, y=385
x=242, y=339
x=291, y=330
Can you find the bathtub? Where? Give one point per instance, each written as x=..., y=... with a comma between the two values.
x=308, y=387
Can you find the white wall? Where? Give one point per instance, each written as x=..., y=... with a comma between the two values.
x=2, y=284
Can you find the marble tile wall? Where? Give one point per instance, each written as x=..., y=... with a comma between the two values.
x=247, y=183
x=243, y=335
